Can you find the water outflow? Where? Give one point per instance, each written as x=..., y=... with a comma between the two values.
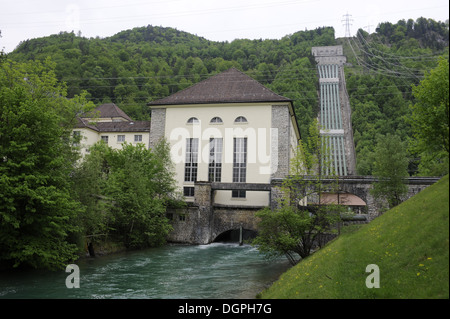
x=218, y=270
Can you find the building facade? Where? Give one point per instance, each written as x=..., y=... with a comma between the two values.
x=108, y=123
x=227, y=129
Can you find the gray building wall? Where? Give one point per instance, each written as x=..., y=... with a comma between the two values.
x=157, y=126
x=281, y=122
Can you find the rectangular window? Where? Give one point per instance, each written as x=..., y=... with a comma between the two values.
x=188, y=191
x=240, y=160
x=104, y=138
x=215, y=159
x=191, y=163
x=120, y=138
x=76, y=138
x=137, y=138
x=238, y=194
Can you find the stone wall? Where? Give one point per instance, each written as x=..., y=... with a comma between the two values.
x=225, y=219
x=203, y=221
x=157, y=126
x=281, y=121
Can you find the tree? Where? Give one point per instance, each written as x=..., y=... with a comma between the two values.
x=126, y=192
x=90, y=179
x=391, y=168
x=38, y=213
x=295, y=229
x=430, y=115
x=134, y=183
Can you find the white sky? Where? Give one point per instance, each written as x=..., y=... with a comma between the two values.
x=213, y=19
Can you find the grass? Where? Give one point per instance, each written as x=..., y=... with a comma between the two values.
x=409, y=243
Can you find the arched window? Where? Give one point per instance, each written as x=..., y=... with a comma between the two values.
x=216, y=120
x=240, y=119
x=193, y=120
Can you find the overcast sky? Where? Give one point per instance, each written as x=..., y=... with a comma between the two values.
x=212, y=19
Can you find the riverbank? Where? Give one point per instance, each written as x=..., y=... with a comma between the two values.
x=102, y=248
x=407, y=249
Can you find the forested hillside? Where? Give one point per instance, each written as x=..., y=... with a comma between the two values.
x=384, y=67
x=136, y=66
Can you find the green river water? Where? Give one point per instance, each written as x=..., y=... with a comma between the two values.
x=215, y=271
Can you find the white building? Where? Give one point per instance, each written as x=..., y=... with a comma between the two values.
x=229, y=129
x=108, y=123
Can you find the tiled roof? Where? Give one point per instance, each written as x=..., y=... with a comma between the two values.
x=107, y=110
x=125, y=126
x=231, y=86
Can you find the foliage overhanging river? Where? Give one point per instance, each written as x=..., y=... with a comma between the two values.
x=218, y=270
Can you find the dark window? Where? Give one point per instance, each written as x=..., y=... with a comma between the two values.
x=238, y=194
x=193, y=120
x=216, y=119
x=215, y=159
x=76, y=138
x=191, y=164
x=240, y=119
x=188, y=191
x=240, y=160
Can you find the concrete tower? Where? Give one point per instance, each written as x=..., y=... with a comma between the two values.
x=335, y=112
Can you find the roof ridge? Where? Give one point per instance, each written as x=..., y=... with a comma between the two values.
x=108, y=110
x=223, y=87
x=265, y=87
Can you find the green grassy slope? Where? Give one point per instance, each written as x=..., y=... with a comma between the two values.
x=410, y=245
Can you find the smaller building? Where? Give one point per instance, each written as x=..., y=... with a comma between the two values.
x=108, y=123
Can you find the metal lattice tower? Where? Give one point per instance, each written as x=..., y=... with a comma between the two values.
x=347, y=24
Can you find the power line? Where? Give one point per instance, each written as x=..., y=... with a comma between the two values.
x=390, y=66
x=396, y=56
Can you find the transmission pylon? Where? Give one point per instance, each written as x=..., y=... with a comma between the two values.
x=347, y=19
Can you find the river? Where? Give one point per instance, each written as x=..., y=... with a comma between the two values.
x=214, y=271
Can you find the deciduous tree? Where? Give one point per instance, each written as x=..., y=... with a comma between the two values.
x=126, y=193
x=391, y=169
x=37, y=210
x=295, y=229
x=430, y=116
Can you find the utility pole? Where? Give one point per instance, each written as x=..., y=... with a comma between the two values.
x=347, y=24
